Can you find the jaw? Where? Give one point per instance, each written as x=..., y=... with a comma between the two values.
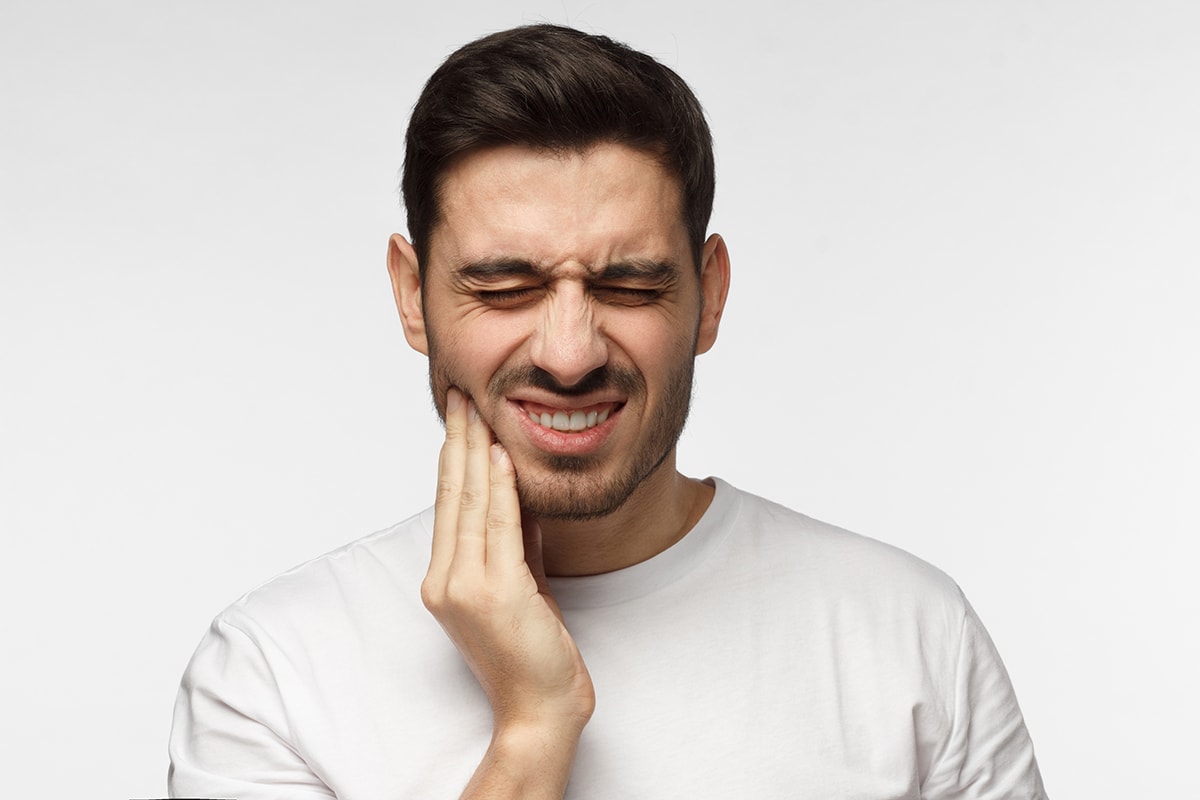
x=589, y=499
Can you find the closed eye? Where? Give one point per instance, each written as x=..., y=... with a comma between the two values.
x=505, y=297
x=627, y=295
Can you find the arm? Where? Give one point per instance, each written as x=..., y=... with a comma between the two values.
x=988, y=754
x=488, y=590
x=230, y=736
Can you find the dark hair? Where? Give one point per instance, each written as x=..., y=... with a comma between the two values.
x=552, y=87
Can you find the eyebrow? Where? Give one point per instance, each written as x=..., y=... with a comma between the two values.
x=494, y=269
x=638, y=269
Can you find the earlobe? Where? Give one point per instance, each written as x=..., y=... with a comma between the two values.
x=714, y=288
x=406, y=288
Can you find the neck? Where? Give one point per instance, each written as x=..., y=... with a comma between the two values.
x=658, y=514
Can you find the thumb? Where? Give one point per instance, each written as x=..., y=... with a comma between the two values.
x=531, y=534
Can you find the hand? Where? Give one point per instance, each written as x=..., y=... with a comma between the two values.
x=488, y=590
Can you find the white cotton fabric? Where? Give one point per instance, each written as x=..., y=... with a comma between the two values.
x=765, y=655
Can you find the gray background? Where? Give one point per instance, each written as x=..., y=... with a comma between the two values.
x=963, y=320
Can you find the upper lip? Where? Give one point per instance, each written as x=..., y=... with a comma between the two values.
x=566, y=402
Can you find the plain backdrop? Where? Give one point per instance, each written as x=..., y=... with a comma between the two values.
x=963, y=320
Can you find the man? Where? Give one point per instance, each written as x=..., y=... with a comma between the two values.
x=574, y=616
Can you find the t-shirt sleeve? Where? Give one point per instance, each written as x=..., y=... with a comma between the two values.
x=988, y=754
x=230, y=736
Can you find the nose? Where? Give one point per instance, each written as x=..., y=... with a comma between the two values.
x=568, y=342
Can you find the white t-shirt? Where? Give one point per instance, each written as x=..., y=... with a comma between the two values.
x=764, y=655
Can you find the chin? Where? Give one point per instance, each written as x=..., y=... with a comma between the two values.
x=576, y=489
x=569, y=492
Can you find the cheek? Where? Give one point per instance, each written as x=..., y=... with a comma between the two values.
x=655, y=342
x=470, y=350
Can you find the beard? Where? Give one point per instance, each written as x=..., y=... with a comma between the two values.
x=578, y=488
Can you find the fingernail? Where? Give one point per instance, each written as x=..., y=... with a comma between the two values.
x=497, y=453
x=472, y=411
x=453, y=400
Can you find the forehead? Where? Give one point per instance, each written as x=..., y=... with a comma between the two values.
x=606, y=203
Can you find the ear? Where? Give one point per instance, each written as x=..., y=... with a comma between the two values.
x=406, y=288
x=714, y=288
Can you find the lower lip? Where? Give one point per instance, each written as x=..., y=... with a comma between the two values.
x=565, y=443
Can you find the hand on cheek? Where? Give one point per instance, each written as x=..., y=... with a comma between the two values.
x=494, y=605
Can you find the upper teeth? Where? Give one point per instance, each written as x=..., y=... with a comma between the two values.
x=573, y=421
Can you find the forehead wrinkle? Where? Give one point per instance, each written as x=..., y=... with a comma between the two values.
x=578, y=229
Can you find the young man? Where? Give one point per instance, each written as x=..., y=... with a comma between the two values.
x=574, y=616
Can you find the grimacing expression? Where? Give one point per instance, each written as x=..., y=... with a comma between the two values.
x=561, y=295
x=567, y=487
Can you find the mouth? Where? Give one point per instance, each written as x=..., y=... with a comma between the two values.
x=569, y=420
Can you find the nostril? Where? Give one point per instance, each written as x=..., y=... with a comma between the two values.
x=569, y=358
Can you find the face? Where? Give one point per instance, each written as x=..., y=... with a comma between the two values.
x=560, y=294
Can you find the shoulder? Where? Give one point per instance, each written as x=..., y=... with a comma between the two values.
x=338, y=616
x=382, y=569
x=838, y=565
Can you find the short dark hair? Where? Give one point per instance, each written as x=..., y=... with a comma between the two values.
x=555, y=88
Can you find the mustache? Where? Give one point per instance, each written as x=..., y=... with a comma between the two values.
x=607, y=376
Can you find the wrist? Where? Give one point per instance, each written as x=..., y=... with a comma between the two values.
x=529, y=760
x=538, y=734
x=525, y=715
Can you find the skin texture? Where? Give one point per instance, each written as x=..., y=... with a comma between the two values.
x=555, y=282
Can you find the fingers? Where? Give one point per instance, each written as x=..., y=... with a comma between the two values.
x=477, y=512
x=470, y=547
x=451, y=468
x=477, y=519
x=504, y=546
